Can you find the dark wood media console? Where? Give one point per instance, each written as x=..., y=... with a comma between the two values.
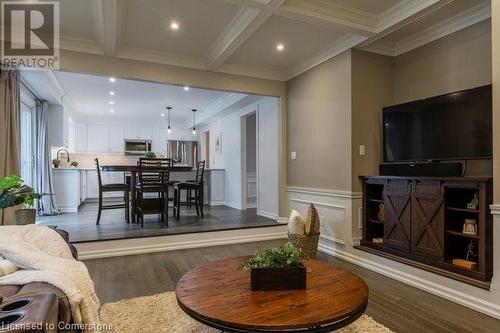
x=422, y=224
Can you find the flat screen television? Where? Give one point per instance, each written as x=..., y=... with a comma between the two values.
x=455, y=126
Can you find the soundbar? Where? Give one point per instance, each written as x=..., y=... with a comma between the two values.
x=448, y=169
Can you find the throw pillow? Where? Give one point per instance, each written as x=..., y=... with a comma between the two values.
x=312, y=221
x=296, y=223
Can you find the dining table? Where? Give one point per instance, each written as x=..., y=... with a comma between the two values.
x=134, y=169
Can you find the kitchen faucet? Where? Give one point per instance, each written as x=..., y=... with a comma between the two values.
x=62, y=149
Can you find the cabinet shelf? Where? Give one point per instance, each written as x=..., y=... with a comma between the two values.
x=461, y=234
x=375, y=221
x=376, y=200
x=463, y=210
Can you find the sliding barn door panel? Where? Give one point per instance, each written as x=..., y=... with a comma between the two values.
x=427, y=233
x=397, y=223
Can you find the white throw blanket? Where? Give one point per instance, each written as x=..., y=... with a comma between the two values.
x=42, y=255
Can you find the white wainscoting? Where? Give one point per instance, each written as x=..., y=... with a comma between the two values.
x=341, y=219
x=336, y=209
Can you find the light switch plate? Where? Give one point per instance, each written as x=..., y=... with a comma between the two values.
x=362, y=150
x=294, y=155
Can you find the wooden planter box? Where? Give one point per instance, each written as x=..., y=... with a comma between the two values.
x=278, y=278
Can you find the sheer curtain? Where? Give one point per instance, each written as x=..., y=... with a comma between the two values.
x=10, y=136
x=43, y=164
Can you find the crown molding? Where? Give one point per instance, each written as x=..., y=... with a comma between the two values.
x=251, y=71
x=453, y=24
x=345, y=43
x=380, y=47
x=161, y=57
x=81, y=45
x=328, y=14
x=403, y=14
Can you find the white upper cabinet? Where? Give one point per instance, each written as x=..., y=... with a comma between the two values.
x=98, y=138
x=116, y=144
x=58, y=126
x=137, y=132
x=104, y=138
x=159, y=143
x=81, y=138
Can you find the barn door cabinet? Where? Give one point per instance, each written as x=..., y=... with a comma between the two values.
x=419, y=221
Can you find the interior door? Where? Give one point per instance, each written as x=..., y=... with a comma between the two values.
x=427, y=233
x=397, y=208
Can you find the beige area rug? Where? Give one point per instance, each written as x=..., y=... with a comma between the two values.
x=161, y=314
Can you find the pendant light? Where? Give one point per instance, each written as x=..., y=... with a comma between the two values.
x=169, y=129
x=194, y=128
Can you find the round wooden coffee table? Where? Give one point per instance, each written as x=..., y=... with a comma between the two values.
x=218, y=294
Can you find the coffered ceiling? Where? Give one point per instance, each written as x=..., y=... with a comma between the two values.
x=241, y=36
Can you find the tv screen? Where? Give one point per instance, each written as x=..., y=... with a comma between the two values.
x=455, y=126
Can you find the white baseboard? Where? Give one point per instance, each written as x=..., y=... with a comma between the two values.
x=124, y=247
x=216, y=203
x=232, y=205
x=268, y=215
x=63, y=209
x=461, y=298
x=251, y=205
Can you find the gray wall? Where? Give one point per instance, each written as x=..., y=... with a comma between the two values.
x=336, y=106
x=319, y=125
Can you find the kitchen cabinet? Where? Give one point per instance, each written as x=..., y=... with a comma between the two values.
x=58, y=126
x=105, y=138
x=67, y=189
x=81, y=138
x=92, y=187
x=159, y=141
x=83, y=186
x=137, y=132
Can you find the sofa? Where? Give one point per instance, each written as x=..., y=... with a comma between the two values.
x=35, y=307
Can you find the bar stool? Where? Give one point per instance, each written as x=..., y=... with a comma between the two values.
x=189, y=186
x=154, y=176
x=111, y=188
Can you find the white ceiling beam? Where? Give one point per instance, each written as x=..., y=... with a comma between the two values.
x=331, y=15
x=243, y=25
x=107, y=19
x=403, y=14
x=255, y=4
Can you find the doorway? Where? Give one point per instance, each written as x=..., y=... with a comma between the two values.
x=249, y=160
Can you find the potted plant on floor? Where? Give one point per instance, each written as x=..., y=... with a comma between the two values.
x=13, y=193
x=279, y=268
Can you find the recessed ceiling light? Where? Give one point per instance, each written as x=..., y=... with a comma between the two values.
x=280, y=47
x=111, y=102
x=186, y=88
x=112, y=111
x=112, y=93
x=163, y=115
x=112, y=79
x=174, y=25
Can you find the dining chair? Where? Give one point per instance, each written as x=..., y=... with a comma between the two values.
x=154, y=174
x=120, y=187
x=189, y=186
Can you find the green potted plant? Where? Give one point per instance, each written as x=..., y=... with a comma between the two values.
x=13, y=193
x=56, y=163
x=150, y=154
x=279, y=268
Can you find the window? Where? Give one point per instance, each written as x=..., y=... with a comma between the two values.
x=28, y=107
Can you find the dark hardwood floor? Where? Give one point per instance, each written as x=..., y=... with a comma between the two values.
x=82, y=228
x=398, y=306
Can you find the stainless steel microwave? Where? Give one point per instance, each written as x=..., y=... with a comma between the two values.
x=137, y=147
